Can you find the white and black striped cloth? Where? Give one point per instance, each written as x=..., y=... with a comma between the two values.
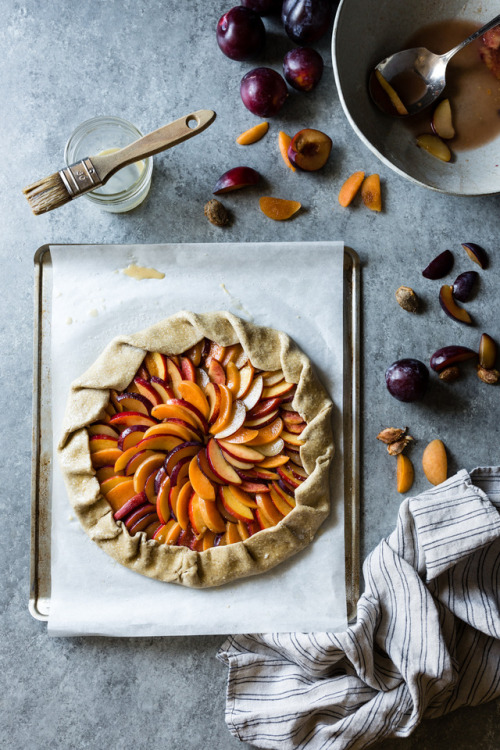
x=426, y=640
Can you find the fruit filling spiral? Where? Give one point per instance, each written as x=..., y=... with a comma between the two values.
x=200, y=450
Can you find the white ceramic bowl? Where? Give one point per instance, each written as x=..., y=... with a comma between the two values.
x=366, y=31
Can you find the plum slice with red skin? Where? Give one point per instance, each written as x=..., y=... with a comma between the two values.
x=235, y=179
x=450, y=306
x=450, y=355
x=487, y=352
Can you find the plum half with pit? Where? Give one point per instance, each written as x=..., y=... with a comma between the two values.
x=241, y=34
x=263, y=91
x=306, y=21
x=309, y=149
x=303, y=68
x=407, y=379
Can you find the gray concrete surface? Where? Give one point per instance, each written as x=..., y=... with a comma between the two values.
x=151, y=62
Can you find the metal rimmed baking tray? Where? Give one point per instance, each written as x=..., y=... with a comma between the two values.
x=40, y=569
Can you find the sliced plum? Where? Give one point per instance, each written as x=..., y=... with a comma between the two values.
x=450, y=355
x=464, y=284
x=440, y=266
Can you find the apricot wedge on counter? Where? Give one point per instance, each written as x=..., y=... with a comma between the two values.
x=435, y=462
x=350, y=188
x=253, y=134
x=278, y=209
x=404, y=473
x=371, y=193
x=284, y=141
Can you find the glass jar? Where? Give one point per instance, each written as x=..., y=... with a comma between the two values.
x=128, y=187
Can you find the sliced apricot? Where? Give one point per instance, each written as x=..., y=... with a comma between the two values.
x=284, y=141
x=435, y=462
x=350, y=188
x=278, y=208
x=370, y=192
x=404, y=473
x=253, y=134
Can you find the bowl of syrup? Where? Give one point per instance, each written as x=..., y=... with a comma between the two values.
x=376, y=30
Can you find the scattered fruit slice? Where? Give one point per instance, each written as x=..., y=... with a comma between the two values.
x=284, y=141
x=440, y=266
x=253, y=134
x=309, y=149
x=487, y=352
x=278, y=209
x=371, y=193
x=450, y=306
x=442, y=120
x=405, y=473
x=450, y=355
x=434, y=146
x=476, y=253
x=350, y=188
x=464, y=284
x=391, y=92
x=235, y=179
x=435, y=462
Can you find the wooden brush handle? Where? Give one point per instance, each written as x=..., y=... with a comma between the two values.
x=159, y=140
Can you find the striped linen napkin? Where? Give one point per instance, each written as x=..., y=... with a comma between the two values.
x=426, y=640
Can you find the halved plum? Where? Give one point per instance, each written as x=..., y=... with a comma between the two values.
x=463, y=285
x=309, y=149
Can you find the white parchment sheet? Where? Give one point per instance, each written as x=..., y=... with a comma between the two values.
x=296, y=287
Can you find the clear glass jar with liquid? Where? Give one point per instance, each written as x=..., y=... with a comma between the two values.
x=100, y=135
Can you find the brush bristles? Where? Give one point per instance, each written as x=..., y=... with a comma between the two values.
x=47, y=194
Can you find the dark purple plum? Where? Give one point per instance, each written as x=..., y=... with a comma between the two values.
x=463, y=285
x=303, y=68
x=440, y=266
x=476, y=253
x=263, y=91
x=450, y=355
x=407, y=379
x=241, y=35
x=306, y=21
x=264, y=7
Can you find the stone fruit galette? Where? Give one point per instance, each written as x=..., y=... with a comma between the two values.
x=197, y=451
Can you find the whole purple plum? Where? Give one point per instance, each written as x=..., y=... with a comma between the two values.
x=263, y=91
x=264, y=7
x=241, y=34
x=407, y=379
x=303, y=68
x=306, y=21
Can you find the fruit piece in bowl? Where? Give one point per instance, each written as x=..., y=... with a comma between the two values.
x=187, y=475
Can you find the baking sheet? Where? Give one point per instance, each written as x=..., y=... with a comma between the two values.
x=96, y=293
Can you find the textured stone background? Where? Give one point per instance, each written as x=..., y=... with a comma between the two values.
x=151, y=62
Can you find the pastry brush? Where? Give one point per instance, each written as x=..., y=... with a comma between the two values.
x=94, y=171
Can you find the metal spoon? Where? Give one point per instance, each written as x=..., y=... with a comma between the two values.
x=428, y=67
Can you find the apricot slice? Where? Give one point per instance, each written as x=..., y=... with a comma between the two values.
x=278, y=208
x=284, y=141
x=253, y=134
x=404, y=473
x=350, y=188
x=435, y=462
x=371, y=194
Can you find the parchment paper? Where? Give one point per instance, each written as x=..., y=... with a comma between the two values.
x=294, y=287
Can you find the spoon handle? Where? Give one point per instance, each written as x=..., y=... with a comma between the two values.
x=494, y=22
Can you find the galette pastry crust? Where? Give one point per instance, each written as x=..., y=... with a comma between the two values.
x=268, y=349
